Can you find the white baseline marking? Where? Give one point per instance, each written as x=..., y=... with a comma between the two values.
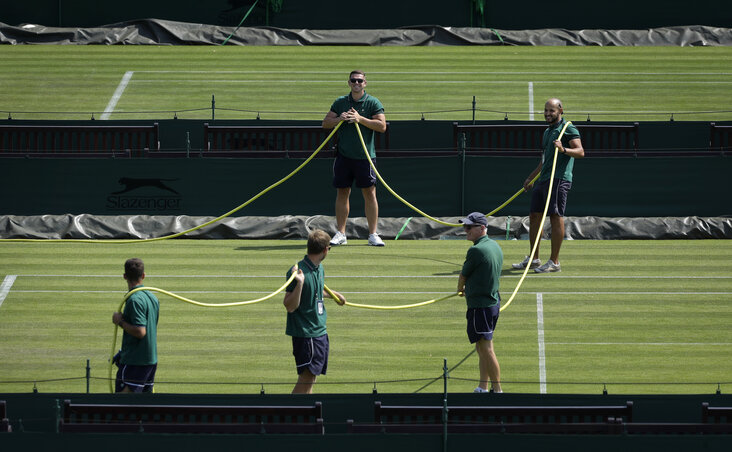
x=5, y=287
x=49, y=275
x=540, y=330
x=662, y=344
x=392, y=293
x=117, y=94
x=449, y=82
x=439, y=72
x=531, y=101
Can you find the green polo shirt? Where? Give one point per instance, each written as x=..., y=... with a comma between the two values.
x=349, y=145
x=482, y=270
x=141, y=309
x=565, y=163
x=308, y=320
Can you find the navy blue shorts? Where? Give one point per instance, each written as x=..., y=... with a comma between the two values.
x=311, y=353
x=482, y=322
x=347, y=170
x=558, y=202
x=136, y=378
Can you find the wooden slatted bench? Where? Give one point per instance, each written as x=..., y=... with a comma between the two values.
x=504, y=419
x=714, y=421
x=78, y=141
x=720, y=138
x=103, y=418
x=525, y=139
x=716, y=415
x=273, y=141
x=4, y=422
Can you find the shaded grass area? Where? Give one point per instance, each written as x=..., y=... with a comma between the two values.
x=634, y=316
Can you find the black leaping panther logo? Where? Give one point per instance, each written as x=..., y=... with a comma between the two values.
x=132, y=183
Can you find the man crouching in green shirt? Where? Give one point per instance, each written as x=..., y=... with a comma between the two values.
x=306, y=313
x=478, y=283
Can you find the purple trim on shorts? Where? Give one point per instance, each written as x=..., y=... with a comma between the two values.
x=311, y=353
x=482, y=322
x=136, y=378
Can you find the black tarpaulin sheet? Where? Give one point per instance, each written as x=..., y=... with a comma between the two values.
x=297, y=227
x=156, y=32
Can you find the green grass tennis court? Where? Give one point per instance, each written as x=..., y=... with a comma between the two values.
x=145, y=82
x=632, y=316
x=629, y=316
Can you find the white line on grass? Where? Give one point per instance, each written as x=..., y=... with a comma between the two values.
x=531, y=101
x=5, y=287
x=117, y=94
x=661, y=344
x=540, y=328
x=437, y=72
x=49, y=275
x=449, y=82
x=374, y=292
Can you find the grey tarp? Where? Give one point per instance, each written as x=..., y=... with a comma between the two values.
x=297, y=227
x=154, y=31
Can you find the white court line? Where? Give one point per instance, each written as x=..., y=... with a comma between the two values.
x=450, y=82
x=50, y=275
x=5, y=287
x=437, y=72
x=540, y=329
x=117, y=94
x=380, y=292
x=531, y=101
x=661, y=344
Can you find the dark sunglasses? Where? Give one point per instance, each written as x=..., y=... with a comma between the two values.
x=358, y=80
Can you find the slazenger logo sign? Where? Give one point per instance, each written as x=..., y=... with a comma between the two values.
x=135, y=195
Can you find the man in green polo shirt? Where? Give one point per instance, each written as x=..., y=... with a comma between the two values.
x=569, y=148
x=138, y=358
x=351, y=164
x=478, y=283
x=306, y=314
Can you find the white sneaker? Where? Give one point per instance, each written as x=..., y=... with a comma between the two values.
x=338, y=239
x=479, y=389
x=522, y=265
x=375, y=240
x=549, y=267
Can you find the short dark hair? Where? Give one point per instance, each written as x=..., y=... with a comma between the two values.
x=134, y=269
x=356, y=72
x=318, y=241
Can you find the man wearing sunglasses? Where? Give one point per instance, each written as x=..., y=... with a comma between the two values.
x=351, y=164
x=478, y=283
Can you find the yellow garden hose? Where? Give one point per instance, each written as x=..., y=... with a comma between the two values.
x=187, y=300
x=388, y=308
x=444, y=223
x=543, y=218
x=172, y=236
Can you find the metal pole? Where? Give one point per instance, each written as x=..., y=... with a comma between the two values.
x=444, y=406
x=473, y=110
x=88, y=375
x=213, y=107
x=462, y=173
x=58, y=414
